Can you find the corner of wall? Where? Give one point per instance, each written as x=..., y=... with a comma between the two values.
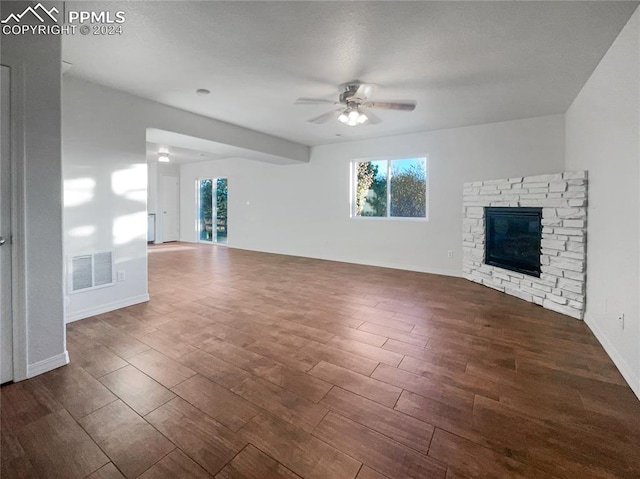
x=38, y=318
x=47, y=365
x=631, y=376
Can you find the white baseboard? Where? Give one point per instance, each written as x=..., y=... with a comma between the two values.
x=105, y=308
x=47, y=365
x=625, y=369
x=378, y=264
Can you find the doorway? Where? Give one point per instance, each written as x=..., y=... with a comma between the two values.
x=212, y=210
x=6, y=319
x=170, y=209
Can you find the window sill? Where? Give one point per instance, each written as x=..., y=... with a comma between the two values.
x=390, y=218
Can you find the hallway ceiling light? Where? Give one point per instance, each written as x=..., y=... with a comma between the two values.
x=163, y=155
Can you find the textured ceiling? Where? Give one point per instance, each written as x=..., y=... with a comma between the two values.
x=464, y=62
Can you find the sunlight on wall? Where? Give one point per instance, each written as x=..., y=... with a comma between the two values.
x=78, y=191
x=126, y=228
x=131, y=183
x=82, y=231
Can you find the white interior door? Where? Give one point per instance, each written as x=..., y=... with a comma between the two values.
x=170, y=208
x=6, y=323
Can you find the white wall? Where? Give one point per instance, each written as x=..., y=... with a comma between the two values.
x=603, y=136
x=105, y=187
x=304, y=209
x=36, y=103
x=105, y=179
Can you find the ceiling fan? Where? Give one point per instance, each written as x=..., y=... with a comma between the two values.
x=355, y=105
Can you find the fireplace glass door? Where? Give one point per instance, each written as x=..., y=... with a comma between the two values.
x=513, y=238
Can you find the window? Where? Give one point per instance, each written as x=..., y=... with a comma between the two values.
x=390, y=188
x=212, y=209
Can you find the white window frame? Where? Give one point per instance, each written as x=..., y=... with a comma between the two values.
x=353, y=178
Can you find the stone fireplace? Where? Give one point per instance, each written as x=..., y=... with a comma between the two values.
x=561, y=201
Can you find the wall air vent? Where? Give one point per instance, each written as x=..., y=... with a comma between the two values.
x=90, y=271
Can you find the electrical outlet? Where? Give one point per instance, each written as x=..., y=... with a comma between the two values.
x=450, y=254
x=621, y=320
x=121, y=276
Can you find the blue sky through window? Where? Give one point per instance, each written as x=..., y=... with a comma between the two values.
x=406, y=164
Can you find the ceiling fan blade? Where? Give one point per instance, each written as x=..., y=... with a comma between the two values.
x=405, y=105
x=314, y=101
x=373, y=118
x=323, y=118
x=363, y=92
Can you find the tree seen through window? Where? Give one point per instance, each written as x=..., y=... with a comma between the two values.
x=391, y=188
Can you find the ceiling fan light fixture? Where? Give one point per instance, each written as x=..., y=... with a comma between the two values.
x=352, y=116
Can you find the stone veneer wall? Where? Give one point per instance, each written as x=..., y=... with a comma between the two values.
x=563, y=199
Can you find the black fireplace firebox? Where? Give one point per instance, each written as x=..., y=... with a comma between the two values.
x=512, y=239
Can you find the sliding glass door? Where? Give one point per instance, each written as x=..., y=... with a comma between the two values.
x=212, y=210
x=222, y=194
x=205, y=210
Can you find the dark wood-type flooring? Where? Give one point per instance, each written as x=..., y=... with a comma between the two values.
x=247, y=365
